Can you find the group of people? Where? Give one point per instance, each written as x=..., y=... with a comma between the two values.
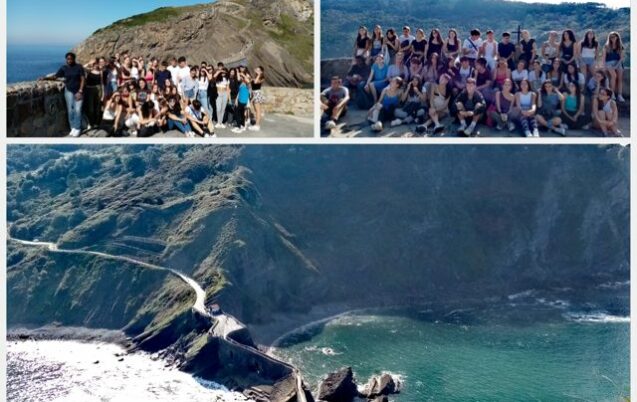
x=127, y=96
x=561, y=84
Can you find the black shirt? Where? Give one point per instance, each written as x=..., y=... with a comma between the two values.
x=363, y=71
x=468, y=102
x=94, y=80
x=506, y=49
x=161, y=77
x=72, y=76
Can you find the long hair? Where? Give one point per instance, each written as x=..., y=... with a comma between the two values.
x=618, y=43
x=455, y=36
x=590, y=43
x=358, y=35
x=571, y=37
x=377, y=35
x=432, y=36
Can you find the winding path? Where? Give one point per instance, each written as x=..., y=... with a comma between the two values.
x=223, y=325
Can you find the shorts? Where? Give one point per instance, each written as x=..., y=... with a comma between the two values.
x=589, y=61
x=362, y=52
x=257, y=96
x=380, y=85
x=376, y=52
x=615, y=65
x=549, y=113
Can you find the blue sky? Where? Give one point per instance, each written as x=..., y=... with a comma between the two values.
x=68, y=22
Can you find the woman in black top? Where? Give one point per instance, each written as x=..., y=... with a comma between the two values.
x=393, y=45
x=94, y=94
x=435, y=43
x=451, y=46
x=234, y=92
x=361, y=45
x=419, y=46
x=528, y=48
x=567, y=48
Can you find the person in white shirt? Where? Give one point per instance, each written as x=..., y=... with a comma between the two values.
x=519, y=74
x=471, y=47
x=404, y=42
x=183, y=73
x=173, y=68
x=490, y=50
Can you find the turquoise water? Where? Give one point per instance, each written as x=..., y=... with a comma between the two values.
x=30, y=62
x=549, y=361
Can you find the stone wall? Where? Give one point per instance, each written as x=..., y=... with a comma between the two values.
x=38, y=109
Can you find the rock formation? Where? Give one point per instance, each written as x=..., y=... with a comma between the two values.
x=338, y=387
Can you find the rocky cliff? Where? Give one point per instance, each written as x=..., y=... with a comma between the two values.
x=275, y=34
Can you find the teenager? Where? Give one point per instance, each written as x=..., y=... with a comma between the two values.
x=233, y=83
x=418, y=47
x=177, y=119
x=501, y=73
x=502, y=114
x=490, y=50
x=597, y=82
x=242, y=102
x=357, y=75
x=362, y=44
x=471, y=106
x=549, y=103
x=203, y=84
x=387, y=104
x=173, y=68
x=412, y=100
x=572, y=74
x=589, y=51
x=550, y=51
x=605, y=116
x=148, y=120
x=200, y=120
x=452, y=45
x=74, y=81
x=484, y=83
x=431, y=70
x=398, y=69
x=613, y=55
x=183, y=73
x=555, y=74
x=506, y=50
x=526, y=105
x=334, y=103
x=537, y=76
x=568, y=48
x=519, y=74
x=111, y=116
x=471, y=46
x=573, y=108
x=377, y=42
x=528, y=50
x=377, y=80
x=435, y=43
x=162, y=75
x=405, y=41
x=439, y=96
x=392, y=45
x=223, y=80
x=258, y=99
x=190, y=86
x=94, y=94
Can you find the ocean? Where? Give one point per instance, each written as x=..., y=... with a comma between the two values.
x=94, y=372
x=500, y=355
x=30, y=62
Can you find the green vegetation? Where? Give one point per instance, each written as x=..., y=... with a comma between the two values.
x=158, y=15
x=340, y=19
x=293, y=36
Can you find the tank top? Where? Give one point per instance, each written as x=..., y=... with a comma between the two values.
x=149, y=76
x=527, y=49
x=505, y=104
x=588, y=52
x=612, y=55
x=256, y=86
x=434, y=48
x=361, y=43
x=490, y=50
x=607, y=107
x=452, y=48
x=500, y=77
x=419, y=46
x=440, y=100
x=93, y=80
x=570, y=103
x=526, y=101
x=567, y=51
x=377, y=44
x=390, y=101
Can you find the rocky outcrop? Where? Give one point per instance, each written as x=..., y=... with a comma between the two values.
x=380, y=386
x=277, y=35
x=338, y=386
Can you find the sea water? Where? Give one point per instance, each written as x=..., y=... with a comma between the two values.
x=30, y=62
x=570, y=357
x=87, y=372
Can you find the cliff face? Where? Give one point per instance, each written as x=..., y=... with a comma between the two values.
x=277, y=35
x=275, y=230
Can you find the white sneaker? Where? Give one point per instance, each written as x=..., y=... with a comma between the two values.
x=463, y=126
x=254, y=128
x=469, y=130
x=527, y=133
x=396, y=122
x=378, y=126
x=89, y=127
x=133, y=133
x=560, y=130
x=238, y=130
x=621, y=98
x=330, y=124
x=75, y=133
x=511, y=126
x=536, y=133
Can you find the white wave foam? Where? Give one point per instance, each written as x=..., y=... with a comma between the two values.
x=613, y=285
x=526, y=293
x=597, y=318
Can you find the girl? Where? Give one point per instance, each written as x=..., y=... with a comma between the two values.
x=243, y=99
x=93, y=94
x=525, y=103
x=143, y=92
x=377, y=42
x=413, y=103
x=176, y=118
x=257, y=98
x=430, y=71
x=550, y=51
x=527, y=48
x=362, y=44
x=504, y=106
x=148, y=120
x=549, y=104
x=415, y=68
x=439, y=96
x=112, y=115
x=501, y=73
x=223, y=79
x=537, y=76
x=588, y=53
x=435, y=43
x=202, y=90
x=613, y=56
x=451, y=45
x=392, y=45
x=555, y=74
x=112, y=78
x=387, y=104
x=573, y=75
x=233, y=79
x=519, y=74
x=605, y=113
x=573, y=107
x=568, y=51
x=377, y=80
x=418, y=46
x=597, y=82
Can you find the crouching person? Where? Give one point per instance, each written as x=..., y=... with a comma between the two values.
x=387, y=104
x=199, y=120
x=471, y=107
x=503, y=115
x=413, y=108
x=334, y=103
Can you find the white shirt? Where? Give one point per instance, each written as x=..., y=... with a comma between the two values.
x=518, y=76
x=472, y=51
x=403, y=38
x=173, y=73
x=134, y=73
x=182, y=73
x=490, y=49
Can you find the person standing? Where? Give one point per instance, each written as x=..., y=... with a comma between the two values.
x=94, y=94
x=506, y=50
x=471, y=47
x=490, y=50
x=74, y=81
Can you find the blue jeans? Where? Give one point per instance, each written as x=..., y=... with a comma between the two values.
x=202, y=96
x=74, y=109
x=184, y=128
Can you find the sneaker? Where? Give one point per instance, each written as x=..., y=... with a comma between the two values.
x=618, y=134
x=536, y=133
x=378, y=126
x=133, y=133
x=560, y=130
x=620, y=98
x=511, y=126
x=75, y=133
x=463, y=126
x=527, y=133
x=396, y=122
x=409, y=120
x=587, y=126
x=238, y=130
x=499, y=127
x=469, y=130
x=330, y=124
x=254, y=128
x=438, y=128
x=89, y=127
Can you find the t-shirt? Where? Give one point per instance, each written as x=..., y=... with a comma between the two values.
x=161, y=77
x=470, y=102
x=194, y=113
x=334, y=96
x=244, y=94
x=183, y=73
x=395, y=71
x=380, y=73
x=406, y=40
x=482, y=77
x=518, y=76
x=134, y=73
x=173, y=73
x=72, y=76
x=506, y=49
x=363, y=71
x=473, y=47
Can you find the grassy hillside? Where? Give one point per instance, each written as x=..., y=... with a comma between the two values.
x=340, y=19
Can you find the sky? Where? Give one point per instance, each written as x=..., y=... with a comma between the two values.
x=68, y=22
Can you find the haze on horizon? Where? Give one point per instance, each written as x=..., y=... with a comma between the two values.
x=94, y=15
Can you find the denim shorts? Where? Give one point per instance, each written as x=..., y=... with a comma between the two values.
x=615, y=64
x=589, y=61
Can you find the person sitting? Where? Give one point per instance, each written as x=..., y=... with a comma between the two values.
x=377, y=80
x=357, y=75
x=176, y=118
x=439, y=96
x=506, y=50
x=537, y=76
x=464, y=73
x=387, y=104
x=605, y=116
x=573, y=108
x=504, y=107
x=200, y=120
x=334, y=103
x=148, y=120
x=483, y=79
x=572, y=74
x=525, y=105
x=471, y=106
x=111, y=118
x=519, y=74
x=549, y=104
x=413, y=103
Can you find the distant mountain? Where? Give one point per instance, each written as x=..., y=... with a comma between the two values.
x=340, y=19
x=278, y=35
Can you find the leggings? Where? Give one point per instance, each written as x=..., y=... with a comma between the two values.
x=528, y=123
x=93, y=105
x=240, y=114
x=222, y=102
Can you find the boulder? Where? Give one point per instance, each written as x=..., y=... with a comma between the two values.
x=380, y=385
x=338, y=387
